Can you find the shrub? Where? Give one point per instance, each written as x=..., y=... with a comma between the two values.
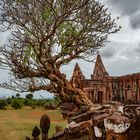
x=39, y=102
x=9, y=100
x=3, y=104
x=17, y=104
x=28, y=102
x=31, y=103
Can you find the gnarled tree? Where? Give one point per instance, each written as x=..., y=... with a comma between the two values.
x=47, y=34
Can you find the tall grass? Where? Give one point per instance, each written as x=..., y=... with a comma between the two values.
x=16, y=124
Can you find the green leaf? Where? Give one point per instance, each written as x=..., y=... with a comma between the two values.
x=46, y=15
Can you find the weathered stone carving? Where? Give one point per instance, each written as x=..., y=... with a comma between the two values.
x=110, y=121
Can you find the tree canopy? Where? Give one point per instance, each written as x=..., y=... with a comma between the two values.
x=47, y=34
x=29, y=96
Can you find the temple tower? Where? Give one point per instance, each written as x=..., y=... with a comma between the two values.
x=99, y=71
x=77, y=76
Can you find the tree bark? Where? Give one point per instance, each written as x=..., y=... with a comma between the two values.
x=68, y=93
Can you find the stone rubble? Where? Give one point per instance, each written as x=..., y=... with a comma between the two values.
x=107, y=121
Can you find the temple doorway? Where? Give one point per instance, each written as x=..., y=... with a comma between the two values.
x=100, y=97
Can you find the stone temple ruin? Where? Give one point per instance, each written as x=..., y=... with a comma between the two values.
x=102, y=87
x=109, y=121
x=116, y=110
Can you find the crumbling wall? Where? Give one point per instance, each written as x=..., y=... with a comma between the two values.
x=110, y=121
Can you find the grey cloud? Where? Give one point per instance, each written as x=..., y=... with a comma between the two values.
x=111, y=49
x=136, y=51
x=135, y=21
x=129, y=8
x=108, y=52
x=123, y=67
x=133, y=52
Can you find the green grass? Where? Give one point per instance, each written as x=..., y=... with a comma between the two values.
x=16, y=124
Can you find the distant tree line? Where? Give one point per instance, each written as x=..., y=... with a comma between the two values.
x=18, y=102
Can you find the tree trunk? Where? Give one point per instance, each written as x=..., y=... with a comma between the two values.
x=67, y=93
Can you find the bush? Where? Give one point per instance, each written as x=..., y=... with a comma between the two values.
x=3, y=104
x=17, y=104
x=39, y=102
x=9, y=100
x=31, y=103
x=28, y=102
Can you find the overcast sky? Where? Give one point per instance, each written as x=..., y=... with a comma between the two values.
x=122, y=54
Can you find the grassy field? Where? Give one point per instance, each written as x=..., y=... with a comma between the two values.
x=16, y=124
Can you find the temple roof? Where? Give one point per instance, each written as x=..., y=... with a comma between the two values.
x=99, y=71
x=77, y=71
